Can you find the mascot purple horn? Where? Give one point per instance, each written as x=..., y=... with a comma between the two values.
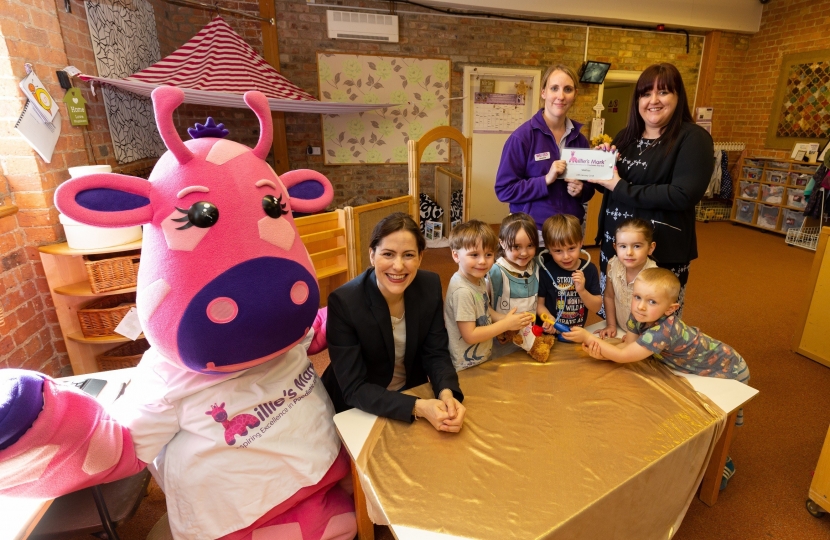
x=225, y=404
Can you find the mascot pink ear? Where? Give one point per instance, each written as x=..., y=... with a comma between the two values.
x=309, y=190
x=106, y=200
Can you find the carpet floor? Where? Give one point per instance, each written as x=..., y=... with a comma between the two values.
x=748, y=289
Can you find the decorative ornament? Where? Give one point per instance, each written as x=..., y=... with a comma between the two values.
x=76, y=105
x=209, y=129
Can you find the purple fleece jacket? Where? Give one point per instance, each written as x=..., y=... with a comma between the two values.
x=520, y=180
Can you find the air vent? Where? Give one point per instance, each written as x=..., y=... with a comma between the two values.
x=362, y=26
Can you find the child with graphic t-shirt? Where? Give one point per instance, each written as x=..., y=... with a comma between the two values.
x=654, y=330
x=471, y=322
x=568, y=285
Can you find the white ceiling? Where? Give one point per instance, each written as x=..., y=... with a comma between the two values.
x=742, y=16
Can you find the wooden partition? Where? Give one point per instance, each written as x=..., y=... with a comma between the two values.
x=416, y=150
x=443, y=193
x=324, y=236
x=360, y=220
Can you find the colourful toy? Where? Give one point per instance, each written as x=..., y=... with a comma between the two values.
x=228, y=299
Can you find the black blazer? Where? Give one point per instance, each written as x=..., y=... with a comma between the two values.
x=362, y=350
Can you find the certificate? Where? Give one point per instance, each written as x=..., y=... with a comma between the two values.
x=585, y=164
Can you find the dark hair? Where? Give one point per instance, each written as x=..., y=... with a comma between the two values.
x=510, y=227
x=637, y=225
x=468, y=236
x=666, y=77
x=393, y=223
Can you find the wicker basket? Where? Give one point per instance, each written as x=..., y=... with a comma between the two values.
x=99, y=318
x=123, y=356
x=108, y=273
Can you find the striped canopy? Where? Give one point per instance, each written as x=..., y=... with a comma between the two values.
x=216, y=67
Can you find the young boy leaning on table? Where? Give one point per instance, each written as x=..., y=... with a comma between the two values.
x=654, y=330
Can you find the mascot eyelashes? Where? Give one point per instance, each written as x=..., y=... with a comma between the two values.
x=225, y=403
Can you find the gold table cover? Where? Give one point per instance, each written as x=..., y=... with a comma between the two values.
x=573, y=449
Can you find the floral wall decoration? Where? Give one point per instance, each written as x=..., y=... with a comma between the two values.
x=419, y=88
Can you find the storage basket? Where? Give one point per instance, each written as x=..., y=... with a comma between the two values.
x=108, y=273
x=776, y=177
x=751, y=173
x=99, y=318
x=745, y=211
x=749, y=190
x=768, y=216
x=712, y=211
x=772, y=194
x=124, y=356
x=792, y=220
x=796, y=199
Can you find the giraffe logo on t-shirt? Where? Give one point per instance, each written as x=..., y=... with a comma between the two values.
x=238, y=425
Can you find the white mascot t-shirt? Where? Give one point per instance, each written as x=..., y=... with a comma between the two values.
x=212, y=487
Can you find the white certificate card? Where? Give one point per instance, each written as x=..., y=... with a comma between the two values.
x=585, y=164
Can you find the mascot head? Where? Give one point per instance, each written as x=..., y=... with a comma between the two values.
x=225, y=283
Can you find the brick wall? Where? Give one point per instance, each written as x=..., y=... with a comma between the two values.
x=302, y=33
x=747, y=69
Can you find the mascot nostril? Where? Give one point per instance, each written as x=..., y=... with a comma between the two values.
x=222, y=310
x=299, y=293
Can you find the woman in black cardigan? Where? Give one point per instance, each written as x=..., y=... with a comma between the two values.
x=386, y=333
x=663, y=169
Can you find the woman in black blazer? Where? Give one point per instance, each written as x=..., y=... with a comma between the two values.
x=386, y=333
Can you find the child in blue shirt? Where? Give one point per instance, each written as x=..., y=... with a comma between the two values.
x=568, y=285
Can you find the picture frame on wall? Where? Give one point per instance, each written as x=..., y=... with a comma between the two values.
x=800, y=106
x=418, y=90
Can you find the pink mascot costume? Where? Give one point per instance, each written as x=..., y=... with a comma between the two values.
x=225, y=403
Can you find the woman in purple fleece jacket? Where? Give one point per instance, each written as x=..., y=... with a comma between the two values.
x=531, y=166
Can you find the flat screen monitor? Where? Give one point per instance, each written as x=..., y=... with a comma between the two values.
x=594, y=72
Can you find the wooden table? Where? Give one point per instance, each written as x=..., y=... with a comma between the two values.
x=19, y=516
x=354, y=427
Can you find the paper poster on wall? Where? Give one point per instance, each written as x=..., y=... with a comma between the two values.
x=124, y=41
x=420, y=87
x=498, y=113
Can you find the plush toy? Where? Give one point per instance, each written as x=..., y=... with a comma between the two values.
x=225, y=403
x=533, y=340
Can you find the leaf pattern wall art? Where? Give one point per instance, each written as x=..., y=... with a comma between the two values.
x=124, y=40
x=419, y=88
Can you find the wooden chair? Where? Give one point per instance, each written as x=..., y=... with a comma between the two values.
x=324, y=236
x=416, y=150
x=96, y=510
x=360, y=220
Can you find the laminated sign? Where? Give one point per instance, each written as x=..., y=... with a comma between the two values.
x=76, y=105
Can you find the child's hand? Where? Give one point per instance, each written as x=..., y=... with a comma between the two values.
x=517, y=321
x=608, y=332
x=577, y=334
x=593, y=349
x=557, y=169
x=579, y=281
x=548, y=328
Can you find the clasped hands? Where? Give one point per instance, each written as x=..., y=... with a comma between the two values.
x=557, y=169
x=445, y=413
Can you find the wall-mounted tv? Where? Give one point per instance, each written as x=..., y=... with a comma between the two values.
x=594, y=72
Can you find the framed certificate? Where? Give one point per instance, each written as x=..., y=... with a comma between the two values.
x=583, y=164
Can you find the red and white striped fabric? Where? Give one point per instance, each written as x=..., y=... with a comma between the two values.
x=216, y=67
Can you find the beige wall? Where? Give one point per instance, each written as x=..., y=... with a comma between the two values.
x=615, y=121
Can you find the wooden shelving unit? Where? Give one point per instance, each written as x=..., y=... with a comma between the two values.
x=69, y=284
x=770, y=193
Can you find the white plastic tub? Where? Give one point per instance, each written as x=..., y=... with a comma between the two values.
x=80, y=236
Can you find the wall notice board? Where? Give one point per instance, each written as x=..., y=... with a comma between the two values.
x=420, y=88
x=811, y=335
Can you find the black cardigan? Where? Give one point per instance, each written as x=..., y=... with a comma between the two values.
x=665, y=193
x=362, y=350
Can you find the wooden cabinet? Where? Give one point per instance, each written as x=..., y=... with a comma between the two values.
x=819, y=494
x=811, y=333
x=770, y=193
x=69, y=285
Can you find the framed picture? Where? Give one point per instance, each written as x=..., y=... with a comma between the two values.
x=801, y=107
x=417, y=88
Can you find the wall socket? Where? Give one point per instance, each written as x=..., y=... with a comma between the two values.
x=313, y=150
